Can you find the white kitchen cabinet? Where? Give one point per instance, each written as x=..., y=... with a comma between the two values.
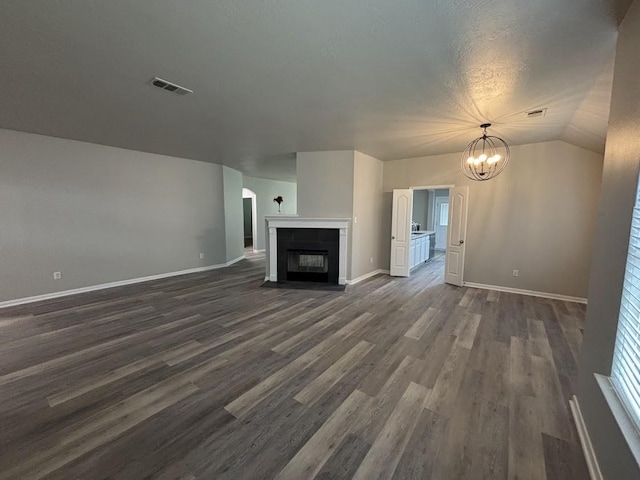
x=425, y=249
x=412, y=254
x=419, y=250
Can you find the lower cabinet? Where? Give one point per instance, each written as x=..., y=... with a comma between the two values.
x=419, y=251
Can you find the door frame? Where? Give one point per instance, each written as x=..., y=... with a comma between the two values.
x=434, y=187
x=248, y=193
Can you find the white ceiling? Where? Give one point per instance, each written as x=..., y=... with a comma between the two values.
x=391, y=78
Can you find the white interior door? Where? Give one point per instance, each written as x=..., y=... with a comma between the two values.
x=401, y=232
x=456, y=235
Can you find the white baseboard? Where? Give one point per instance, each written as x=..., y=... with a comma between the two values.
x=262, y=250
x=367, y=275
x=222, y=265
x=585, y=440
x=531, y=293
x=103, y=286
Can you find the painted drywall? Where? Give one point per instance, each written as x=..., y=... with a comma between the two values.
x=430, y=212
x=538, y=216
x=233, y=215
x=367, y=254
x=325, y=184
x=421, y=208
x=619, y=185
x=266, y=190
x=325, y=188
x=101, y=214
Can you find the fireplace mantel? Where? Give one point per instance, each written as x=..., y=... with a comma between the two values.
x=292, y=221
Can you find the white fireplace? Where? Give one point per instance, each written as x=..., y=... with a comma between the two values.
x=273, y=223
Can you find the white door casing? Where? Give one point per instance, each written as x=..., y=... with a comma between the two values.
x=246, y=193
x=402, y=211
x=456, y=235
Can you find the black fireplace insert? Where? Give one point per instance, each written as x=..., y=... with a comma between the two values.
x=308, y=255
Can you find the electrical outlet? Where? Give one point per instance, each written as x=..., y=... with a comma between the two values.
x=371, y=260
x=57, y=275
x=201, y=256
x=515, y=273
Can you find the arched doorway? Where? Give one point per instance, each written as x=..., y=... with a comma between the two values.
x=250, y=213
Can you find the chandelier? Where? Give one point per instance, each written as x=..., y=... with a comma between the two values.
x=485, y=157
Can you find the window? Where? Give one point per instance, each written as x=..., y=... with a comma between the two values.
x=625, y=373
x=444, y=214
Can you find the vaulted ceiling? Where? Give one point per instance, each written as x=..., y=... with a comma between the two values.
x=391, y=78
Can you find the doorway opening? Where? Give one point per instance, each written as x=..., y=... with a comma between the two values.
x=249, y=210
x=429, y=223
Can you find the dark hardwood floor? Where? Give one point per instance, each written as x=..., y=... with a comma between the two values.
x=208, y=376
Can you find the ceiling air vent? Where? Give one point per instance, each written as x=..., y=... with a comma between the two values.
x=170, y=87
x=538, y=112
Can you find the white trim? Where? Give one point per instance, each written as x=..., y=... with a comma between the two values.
x=273, y=254
x=621, y=415
x=103, y=286
x=585, y=440
x=367, y=275
x=293, y=221
x=248, y=193
x=262, y=250
x=532, y=293
x=222, y=265
x=432, y=187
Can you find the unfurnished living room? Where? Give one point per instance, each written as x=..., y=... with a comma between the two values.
x=319, y=239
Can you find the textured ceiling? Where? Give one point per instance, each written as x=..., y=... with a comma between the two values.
x=391, y=78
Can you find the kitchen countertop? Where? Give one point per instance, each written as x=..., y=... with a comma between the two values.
x=421, y=233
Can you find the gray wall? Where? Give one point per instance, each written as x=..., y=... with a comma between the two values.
x=430, y=210
x=325, y=188
x=101, y=214
x=233, y=216
x=619, y=184
x=325, y=184
x=538, y=216
x=421, y=208
x=367, y=254
x=266, y=190
x=346, y=184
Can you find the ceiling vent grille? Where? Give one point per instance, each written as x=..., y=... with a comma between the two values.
x=170, y=87
x=538, y=112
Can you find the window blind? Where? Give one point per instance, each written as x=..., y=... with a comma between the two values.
x=625, y=373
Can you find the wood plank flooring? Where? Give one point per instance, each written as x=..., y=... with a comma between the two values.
x=208, y=376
